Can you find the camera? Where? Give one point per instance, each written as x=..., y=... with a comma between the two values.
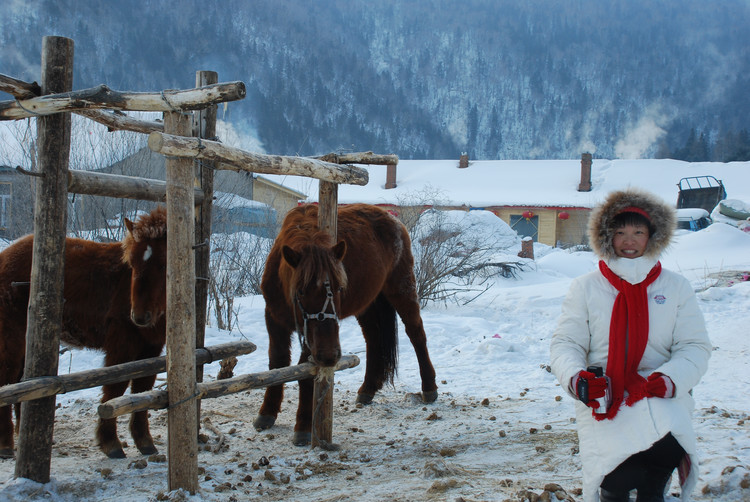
x=606, y=401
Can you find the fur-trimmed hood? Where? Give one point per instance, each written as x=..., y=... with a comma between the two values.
x=663, y=220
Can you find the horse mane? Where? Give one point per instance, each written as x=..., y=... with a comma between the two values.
x=149, y=226
x=317, y=264
x=302, y=234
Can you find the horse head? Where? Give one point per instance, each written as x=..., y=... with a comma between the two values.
x=317, y=283
x=145, y=251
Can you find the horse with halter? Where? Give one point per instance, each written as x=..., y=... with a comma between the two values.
x=311, y=282
x=114, y=301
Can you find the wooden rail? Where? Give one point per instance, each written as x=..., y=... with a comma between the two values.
x=103, y=97
x=158, y=399
x=60, y=384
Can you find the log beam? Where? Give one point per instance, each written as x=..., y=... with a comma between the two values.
x=204, y=126
x=47, y=265
x=358, y=158
x=124, y=187
x=18, y=88
x=114, y=121
x=121, y=122
x=103, y=97
x=182, y=418
x=158, y=399
x=52, y=385
x=322, y=417
x=234, y=159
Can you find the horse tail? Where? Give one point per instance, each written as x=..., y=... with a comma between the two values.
x=386, y=345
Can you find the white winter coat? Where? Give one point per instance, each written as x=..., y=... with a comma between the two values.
x=678, y=346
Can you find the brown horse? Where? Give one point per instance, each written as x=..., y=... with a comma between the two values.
x=310, y=283
x=115, y=301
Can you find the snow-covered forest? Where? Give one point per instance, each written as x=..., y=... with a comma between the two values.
x=426, y=80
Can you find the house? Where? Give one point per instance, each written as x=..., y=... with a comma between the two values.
x=16, y=203
x=548, y=200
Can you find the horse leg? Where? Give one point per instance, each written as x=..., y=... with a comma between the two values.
x=106, y=429
x=279, y=356
x=6, y=432
x=407, y=306
x=12, y=353
x=378, y=323
x=139, y=429
x=303, y=425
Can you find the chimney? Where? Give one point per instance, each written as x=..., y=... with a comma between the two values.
x=463, y=162
x=527, y=248
x=585, y=185
x=390, y=176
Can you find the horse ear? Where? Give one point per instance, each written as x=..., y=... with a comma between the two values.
x=129, y=225
x=339, y=250
x=291, y=256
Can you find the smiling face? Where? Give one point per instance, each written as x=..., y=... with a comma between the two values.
x=630, y=240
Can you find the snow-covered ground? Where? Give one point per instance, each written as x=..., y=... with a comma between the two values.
x=502, y=427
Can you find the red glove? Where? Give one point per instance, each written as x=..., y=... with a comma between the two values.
x=659, y=385
x=588, y=387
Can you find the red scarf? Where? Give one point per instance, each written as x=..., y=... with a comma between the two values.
x=628, y=336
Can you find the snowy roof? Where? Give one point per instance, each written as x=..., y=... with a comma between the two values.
x=535, y=183
x=539, y=183
x=231, y=201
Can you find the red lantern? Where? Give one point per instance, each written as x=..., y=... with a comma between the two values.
x=528, y=214
x=564, y=215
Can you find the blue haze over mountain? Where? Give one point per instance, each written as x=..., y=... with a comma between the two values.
x=421, y=79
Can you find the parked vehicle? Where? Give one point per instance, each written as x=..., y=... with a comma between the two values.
x=700, y=191
x=693, y=219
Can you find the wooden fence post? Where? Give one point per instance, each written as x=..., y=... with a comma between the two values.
x=47, y=269
x=182, y=415
x=322, y=420
x=204, y=126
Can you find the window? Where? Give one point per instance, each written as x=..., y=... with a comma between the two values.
x=525, y=227
x=5, y=205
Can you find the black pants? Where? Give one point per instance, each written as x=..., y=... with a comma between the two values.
x=642, y=470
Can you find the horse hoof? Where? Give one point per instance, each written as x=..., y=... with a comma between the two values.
x=148, y=450
x=263, y=422
x=429, y=397
x=116, y=453
x=6, y=452
x=364, y=398
x=301, y=438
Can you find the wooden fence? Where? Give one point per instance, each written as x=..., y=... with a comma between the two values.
x=51, y=103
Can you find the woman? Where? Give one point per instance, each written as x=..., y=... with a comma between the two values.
x=641, y=324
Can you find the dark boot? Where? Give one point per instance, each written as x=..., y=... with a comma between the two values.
x=653, y=489
x=608, y=496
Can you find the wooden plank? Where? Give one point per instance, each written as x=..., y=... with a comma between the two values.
x=234, y=159
x=182, y=419
x=102, y=96
x=158, y=399
x=47, y=268
x=52, y=385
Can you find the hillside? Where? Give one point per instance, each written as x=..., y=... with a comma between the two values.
x=495, y=78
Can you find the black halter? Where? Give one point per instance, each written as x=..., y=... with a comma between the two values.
x=320, y=316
